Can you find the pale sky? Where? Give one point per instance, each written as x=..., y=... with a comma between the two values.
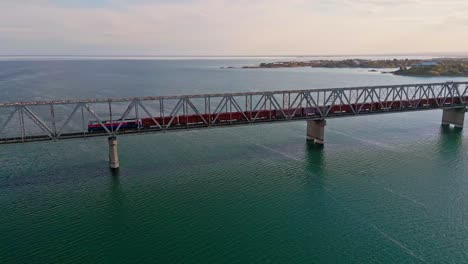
x=232, y=27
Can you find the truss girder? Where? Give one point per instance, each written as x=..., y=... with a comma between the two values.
x=221, y=109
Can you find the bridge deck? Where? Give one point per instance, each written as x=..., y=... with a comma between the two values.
x=57, y=120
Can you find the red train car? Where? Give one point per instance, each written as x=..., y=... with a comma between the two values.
x=195, y=119
x=148, y=121
x=297, y=112
x=260, y=114
x=227, y=117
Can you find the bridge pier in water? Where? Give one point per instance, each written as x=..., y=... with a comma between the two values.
x=454, y=116
x=113, y=154
x=316, y=131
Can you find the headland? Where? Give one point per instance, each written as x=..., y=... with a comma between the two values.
x=457, y=67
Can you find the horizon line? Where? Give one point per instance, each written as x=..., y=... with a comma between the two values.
x=227, y=55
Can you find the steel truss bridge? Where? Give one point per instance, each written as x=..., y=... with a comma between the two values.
x=57, y=120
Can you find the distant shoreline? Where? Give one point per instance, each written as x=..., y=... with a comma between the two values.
x=449, y=67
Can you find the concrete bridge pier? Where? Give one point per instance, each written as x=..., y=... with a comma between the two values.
x=316, y=131
x=454, y=116
x=113, y=154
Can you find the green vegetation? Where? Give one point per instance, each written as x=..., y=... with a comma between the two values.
x=349, y=63
x=443, y=68
x=410, y=67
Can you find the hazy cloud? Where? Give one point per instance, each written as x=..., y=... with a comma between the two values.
x=215, y=27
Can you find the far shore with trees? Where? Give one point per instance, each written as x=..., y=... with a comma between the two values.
x=454, y=67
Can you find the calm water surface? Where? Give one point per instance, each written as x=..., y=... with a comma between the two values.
x=384, y=189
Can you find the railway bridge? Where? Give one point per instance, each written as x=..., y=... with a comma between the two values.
x=22, y=122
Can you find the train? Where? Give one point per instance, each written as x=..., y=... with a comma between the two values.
x=95, y=126
x=183, y=120
x=244, y=117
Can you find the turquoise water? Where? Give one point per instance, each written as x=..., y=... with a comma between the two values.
x=384, y=189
